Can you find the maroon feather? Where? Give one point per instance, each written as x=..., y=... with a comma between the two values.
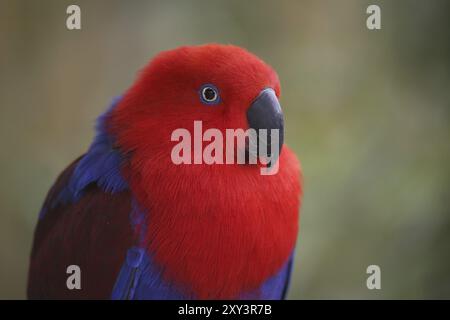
x=93, y=233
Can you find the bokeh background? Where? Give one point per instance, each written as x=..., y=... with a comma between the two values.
x=367, y=113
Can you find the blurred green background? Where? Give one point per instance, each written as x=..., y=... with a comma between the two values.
x=367, y=113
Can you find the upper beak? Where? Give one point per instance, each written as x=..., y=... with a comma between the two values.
x=265, y=113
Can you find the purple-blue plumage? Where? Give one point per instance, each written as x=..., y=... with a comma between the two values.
x=100, y=165
x=140, y=279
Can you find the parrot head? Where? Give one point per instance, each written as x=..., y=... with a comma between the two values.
x=223, y=86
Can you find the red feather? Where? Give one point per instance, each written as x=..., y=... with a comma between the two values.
x=222, y=229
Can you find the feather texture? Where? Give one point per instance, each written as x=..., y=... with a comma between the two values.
x=141, y=227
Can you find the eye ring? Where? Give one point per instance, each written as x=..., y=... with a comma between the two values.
x=209, y=94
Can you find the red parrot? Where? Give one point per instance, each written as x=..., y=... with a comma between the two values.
x=140, y=226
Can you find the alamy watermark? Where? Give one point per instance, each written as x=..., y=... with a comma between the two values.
x=73, y=21
x=374, y=280
x=373, y=21
x=74, y=279
x=252, y=147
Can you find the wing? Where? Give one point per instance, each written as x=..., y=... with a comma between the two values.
x=89, y=219
x=92, y=232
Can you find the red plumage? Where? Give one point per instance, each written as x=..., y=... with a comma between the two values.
x=214, y=231
x=218, y=229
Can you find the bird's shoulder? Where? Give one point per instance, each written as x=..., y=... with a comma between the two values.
x=82, y=223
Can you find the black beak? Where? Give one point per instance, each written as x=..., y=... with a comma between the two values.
x=265, y=113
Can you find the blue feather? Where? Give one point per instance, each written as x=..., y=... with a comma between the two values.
x=141, y=279
x=100, y=165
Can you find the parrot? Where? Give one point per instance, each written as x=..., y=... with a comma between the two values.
x=140, y=227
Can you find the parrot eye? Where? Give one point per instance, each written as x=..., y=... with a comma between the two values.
x=209, y=94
